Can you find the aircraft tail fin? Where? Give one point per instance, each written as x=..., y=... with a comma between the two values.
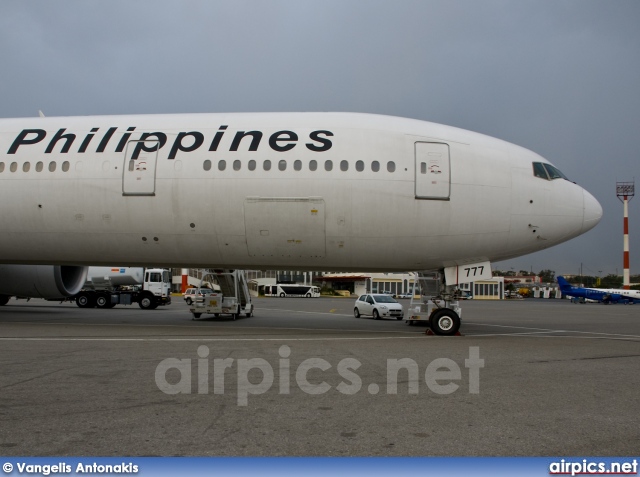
x=563, y=283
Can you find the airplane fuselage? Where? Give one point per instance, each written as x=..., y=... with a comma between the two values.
x=320, y=191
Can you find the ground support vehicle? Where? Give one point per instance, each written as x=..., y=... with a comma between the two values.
x=107, y=287
x=233, y=298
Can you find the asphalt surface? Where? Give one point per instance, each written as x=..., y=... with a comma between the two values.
x=558, y=379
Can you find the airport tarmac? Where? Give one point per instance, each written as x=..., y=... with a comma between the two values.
x=558, y=379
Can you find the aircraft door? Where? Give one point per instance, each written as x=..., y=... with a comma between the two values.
x=139, y=171
x=433, y=174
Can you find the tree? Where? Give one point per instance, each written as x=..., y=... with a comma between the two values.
x=547, y=276
x=611, y=281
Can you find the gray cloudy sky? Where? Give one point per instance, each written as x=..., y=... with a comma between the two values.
x=559, y=77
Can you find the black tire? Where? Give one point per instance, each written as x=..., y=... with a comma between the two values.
x=197, y=315
x=216, y=315
x=308, y=295
x=85, y=300
x=376, y=315
x=147, y=302
x=189, y=301
x=4, y=299
x=103, y=301
x=250, y=314
x=282, y=295
x=356, y=312
x=399, y=317
x=235, y=316
x=409, y=322
x=444, y=322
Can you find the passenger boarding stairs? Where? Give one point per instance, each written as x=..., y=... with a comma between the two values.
x=232, y=283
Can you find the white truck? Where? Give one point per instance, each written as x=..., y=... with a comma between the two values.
x=107, y=287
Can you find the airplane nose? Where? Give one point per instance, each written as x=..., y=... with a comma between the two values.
x=592, y=212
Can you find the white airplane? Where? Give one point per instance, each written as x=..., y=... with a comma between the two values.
x=294, y=191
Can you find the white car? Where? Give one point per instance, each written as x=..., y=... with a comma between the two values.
x=378, y=306
x=191, y=294
x=409, y=294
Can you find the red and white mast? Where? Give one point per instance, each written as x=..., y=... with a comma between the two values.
x=625, y=192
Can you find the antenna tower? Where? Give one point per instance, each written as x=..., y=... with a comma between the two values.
x=625, y=192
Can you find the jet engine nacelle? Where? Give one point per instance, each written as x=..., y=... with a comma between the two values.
x=41, y=281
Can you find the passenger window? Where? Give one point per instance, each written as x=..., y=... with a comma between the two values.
x=423, y=168
x=252, y=165
x=297, y=165
x=1, y=166
x=52, y=166
x=375, y=166
x=359, y=166
x=14, y=167
x=236, y=165
x=344, y=166
x=282, y=165
x=370, y=300
x=361, y=298
x=313, y=165
x=65, y=166
x=328, y=165
x=266, y=165
x=222, y=165
x=539, y=171
x=39, y=166
x=391, y=166
x=206, y=165
x=25, y=167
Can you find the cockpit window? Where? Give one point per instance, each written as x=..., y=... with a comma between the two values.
x=554, y=173
x=547, y=171
x=538, y=170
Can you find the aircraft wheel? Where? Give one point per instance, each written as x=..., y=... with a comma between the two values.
x=356, y=313
x=445, y=322
x=376, y=315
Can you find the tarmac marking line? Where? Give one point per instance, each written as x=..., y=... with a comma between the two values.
x=421, y=336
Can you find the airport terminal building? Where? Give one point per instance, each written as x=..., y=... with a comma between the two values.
x=347, y=284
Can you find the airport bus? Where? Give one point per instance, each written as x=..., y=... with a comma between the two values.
x=292, y=290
